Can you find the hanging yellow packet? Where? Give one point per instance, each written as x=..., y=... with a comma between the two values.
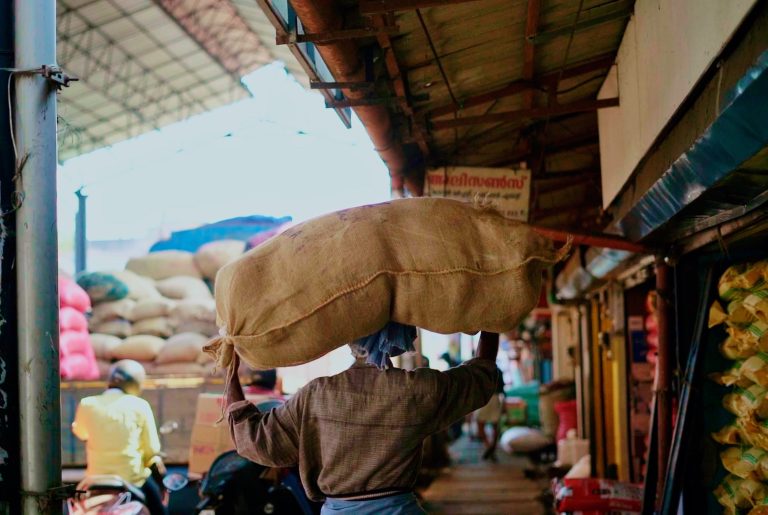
x=727, y=287
x=760, y=509
x=729, y=435
x=753, y=336
x=717, y=315
x=745, y=402
x=735, y=492
x=737, y=349
x=732, y=376
x=755, y=369
x=742, y=461
x=753, y=431
x=757, y=304
x=738, y=314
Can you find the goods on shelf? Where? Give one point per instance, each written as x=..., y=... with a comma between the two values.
x=743, y=289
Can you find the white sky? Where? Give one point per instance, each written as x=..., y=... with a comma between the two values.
x=286, y=154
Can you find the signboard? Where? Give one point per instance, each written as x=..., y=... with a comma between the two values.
x=507, y=190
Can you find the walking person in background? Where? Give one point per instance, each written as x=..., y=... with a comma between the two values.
x=490, y=414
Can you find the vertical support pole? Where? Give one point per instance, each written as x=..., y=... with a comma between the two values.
x=81, y=239
x=36, y=258
x=664, y=373
x=9, y=395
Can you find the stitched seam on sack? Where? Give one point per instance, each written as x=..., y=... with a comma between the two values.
x=369, y=280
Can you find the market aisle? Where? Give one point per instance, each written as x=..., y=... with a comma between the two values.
x=472, y=486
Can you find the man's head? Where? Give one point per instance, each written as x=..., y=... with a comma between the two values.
x=358, y=352
x=127, y=375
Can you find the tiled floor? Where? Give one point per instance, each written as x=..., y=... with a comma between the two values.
x=477, y=487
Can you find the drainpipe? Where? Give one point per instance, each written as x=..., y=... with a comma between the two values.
x=36, y=258
x=343, y=59
x=664, y=375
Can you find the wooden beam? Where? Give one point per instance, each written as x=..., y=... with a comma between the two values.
x=340, y=104
x=340, y=85
x=291, y=38
x=529, y=50
x=563, y=183
x=581, y=106
x=548, y=176
x=600, y=62
x=398, y=83
x=598, y=15
x=369, y=7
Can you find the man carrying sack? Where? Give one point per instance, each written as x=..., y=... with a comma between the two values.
x=357, y=436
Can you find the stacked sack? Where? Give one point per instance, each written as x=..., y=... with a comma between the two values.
x=159, y=311
x=743, y=290
x=76, y=357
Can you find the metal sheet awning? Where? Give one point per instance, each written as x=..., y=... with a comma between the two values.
x=144, y=64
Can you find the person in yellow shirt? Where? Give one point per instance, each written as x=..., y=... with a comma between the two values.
x=120, y=433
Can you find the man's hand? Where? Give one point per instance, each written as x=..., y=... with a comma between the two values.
x=234, y=390
x=488, y=347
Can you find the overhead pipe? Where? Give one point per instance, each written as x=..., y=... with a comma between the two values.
x=37, y=257
x=343, y=59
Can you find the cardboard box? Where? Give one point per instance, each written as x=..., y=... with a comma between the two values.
x=209, y=406
x=208, y=442
x=210, y=439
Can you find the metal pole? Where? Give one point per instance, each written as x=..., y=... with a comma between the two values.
x=81, y=240
x=10, y=483
x=664, y=378
x=37, y=267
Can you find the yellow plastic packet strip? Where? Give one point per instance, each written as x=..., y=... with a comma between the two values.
x=717, y=315
x=757, y=304
x=755, y=369
x=735, y=348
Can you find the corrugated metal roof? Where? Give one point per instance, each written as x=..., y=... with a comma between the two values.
x=144, y=64
x=489, y=83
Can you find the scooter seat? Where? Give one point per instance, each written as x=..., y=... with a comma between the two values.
x=111, y=484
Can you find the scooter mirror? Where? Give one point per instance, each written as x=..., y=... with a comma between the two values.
x=168, y=427
x=175, y=482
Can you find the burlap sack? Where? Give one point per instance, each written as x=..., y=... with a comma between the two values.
x=157, y=326
x=141, y=347
x=139, y=288
x=117, y=327
x=178, y=369
x=151, y=308
x=199, y=310
x=164, y=264
x=197, y=326
x=182, y=348
x=212, y=256
x=103, y=345
x=105, y=311
x=439, y=264
x=181, y=287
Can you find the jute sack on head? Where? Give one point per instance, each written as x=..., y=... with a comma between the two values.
x=164, y=264
x=439, y=264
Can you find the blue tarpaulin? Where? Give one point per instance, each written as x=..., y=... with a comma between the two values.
x=241, y=228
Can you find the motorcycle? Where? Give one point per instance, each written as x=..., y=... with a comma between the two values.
x=235, y=486
x=114, y=495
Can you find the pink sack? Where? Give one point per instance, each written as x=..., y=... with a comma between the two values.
x=71, y=319
x=79, y=368
x=75, y=342
x=73, y=296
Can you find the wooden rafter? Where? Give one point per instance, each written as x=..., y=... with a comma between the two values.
x=398, y=83
x=580, y=106
x=602, y=62
x=369, y=7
